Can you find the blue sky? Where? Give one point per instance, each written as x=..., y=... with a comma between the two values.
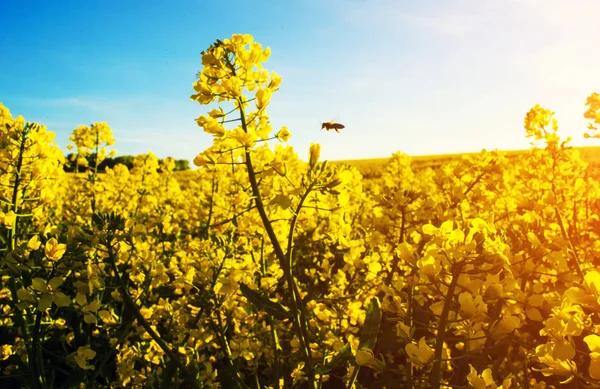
x=422, y=77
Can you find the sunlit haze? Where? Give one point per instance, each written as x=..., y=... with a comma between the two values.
x=422, y=77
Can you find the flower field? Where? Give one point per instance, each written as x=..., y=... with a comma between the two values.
x=262, y=270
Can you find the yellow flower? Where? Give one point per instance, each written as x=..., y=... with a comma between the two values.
x=536, y=121
x=314, y=154
x=48, y=293
x=34, y=243
x=298, y=373
x=486, y=380
x=205, y=93
x=471, y=307
x=8, y=219
x=211, y=125
x=283, y=135
x=247, y=139
x=263, y=97
x=420, y=354
x=275, y=81
x=239, y=39
x=54, y=250
x=6, y=351
x=365, y=357
x=594, y=369
x=593, y=114
x=279, y=167
x=555, y=366
x=83, y=355
x=233, y=86
x=205, y=158
x=217, y=113
x=82, y=162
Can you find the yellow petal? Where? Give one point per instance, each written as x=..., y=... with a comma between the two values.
x=595, y=366
x=593, y=342
x=61, y=299
x=44, y=303
x=55, y=282
x=39, y=285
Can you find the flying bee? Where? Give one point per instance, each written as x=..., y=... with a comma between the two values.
x=332, y=126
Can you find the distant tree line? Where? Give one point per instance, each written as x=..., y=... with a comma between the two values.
x=127, y=160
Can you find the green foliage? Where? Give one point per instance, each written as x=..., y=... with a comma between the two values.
x=127, y=160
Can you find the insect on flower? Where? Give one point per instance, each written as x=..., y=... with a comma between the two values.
x=332, y=126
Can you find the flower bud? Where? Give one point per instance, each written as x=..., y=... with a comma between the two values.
x=314, y=154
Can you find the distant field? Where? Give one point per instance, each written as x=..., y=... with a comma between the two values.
x=371, y=168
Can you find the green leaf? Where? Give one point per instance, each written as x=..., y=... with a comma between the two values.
x=97, y=220
x=229, y=378
x=343, y=356
x=283, y=201
x=108, y=220
x=263, y=303
x=368, y=336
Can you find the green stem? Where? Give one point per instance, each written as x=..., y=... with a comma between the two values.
x=270, y=320
x=15, y=195
x=138, y=315
x=210, y=207
x=202, y=308
x=299, y=306
x=110, y=354
x=436, y=371
x=559, y=217
x=95, y=174
x=282, y=257
x=12, y=242
x=36, y=362
x=353, y=377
